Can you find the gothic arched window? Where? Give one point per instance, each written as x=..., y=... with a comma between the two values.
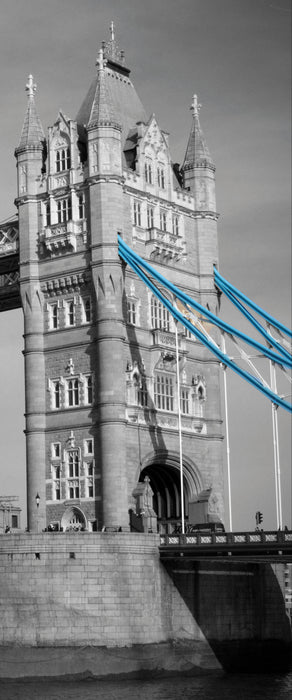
x=63, y=159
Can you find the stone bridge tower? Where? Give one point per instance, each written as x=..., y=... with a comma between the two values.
x=99, y=349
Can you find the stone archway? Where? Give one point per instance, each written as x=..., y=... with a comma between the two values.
x=163, y=470
x=73, y=519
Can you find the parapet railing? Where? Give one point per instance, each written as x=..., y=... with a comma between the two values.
x=215, y=539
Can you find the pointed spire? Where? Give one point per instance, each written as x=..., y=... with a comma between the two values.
x=32, y=133
x=102, y=110
x=197, y=153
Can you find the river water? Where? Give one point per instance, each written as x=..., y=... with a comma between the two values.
x=203, y=687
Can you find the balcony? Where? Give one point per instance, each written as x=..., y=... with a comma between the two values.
x=62, y=237
x=164, y=246
x=167, y=340
x=154, y=418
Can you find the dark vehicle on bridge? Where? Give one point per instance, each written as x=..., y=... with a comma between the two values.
x=200, y=527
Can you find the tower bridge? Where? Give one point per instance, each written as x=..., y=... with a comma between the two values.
x=123, y=418
x=113, y=366
x=99, y=348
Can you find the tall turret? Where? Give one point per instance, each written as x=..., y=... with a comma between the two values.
x=105, y=184
x=29, y=155
x=198, y=167
x=199, y=177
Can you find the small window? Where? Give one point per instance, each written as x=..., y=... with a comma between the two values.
x=70, y=312
x=56, y=394
x=150, y=217
x=185, y=401
x=90, y=489
x=73, y=392
x=137, y=213
x=142, y=395
x=81, y=206
x=88, y=446
x=53, y=316
x=56, y=472
x=161, y=177
x=132, y=312
x=175, y=225
x=163, y=220
x=56, y=450
x=90, y=469
x=48, y=213
x=88, y=389
x=148, y=172
x=63, y=159
x=64, y=210
x=14, y=521
x=86, y=310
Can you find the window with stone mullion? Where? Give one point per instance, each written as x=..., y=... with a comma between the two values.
x=164, y=392
x=64, y=210
x=73, y=392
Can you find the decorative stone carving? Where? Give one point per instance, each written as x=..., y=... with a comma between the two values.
x=64, y=285
x=143, y=495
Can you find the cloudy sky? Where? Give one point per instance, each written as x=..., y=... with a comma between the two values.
x=235, y=54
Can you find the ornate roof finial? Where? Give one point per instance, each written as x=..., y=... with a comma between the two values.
x=111, y=49
x=195, y=106
x=100, y=61
x=30, y=86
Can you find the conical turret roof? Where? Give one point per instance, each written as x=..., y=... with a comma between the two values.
x=111, y=98
x=197, y=153
x=32, y=133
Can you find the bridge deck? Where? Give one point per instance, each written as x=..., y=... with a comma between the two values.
x=272, y=545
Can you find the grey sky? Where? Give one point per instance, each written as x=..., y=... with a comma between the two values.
x=236, y=55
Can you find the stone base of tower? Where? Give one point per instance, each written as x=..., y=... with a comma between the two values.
x=102, y=604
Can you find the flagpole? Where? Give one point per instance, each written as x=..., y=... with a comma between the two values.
x=180, y=434
x=227, y=434
x=276, y=450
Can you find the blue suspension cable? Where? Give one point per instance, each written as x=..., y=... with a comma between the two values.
x=129, y=259
x=221, y=280
x=227, y=328
x=254, y=322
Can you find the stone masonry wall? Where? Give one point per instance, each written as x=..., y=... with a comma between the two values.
x=101, y=591
x=82, y=588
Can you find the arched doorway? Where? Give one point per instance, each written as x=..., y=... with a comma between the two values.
x=164, y=475
x=73, y=519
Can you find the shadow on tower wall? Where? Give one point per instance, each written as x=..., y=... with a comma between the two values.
x=240, y=609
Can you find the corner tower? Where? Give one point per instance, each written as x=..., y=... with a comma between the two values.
x=30, y=155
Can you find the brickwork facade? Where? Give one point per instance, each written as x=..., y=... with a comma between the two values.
x=100, y=350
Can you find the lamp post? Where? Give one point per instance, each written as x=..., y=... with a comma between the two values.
x=37, y=500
